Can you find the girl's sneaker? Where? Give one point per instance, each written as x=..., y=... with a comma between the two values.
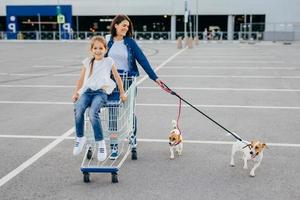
x=79, y=144
x=114, y=152
x=102, y=154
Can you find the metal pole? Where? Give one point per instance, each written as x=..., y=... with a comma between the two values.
x=39, y=19
x=59, y=27
x=250, y=27
x=197, y=23
x=185, y=18
x=190, y=24
x=77, y=26
x=245, y=27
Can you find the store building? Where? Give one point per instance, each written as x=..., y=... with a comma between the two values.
x=155, y=19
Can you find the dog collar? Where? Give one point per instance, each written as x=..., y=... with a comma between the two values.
x=176, y=143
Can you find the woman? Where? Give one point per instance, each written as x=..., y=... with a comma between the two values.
x=123, y=49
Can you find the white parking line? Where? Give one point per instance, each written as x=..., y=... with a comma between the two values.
x=226, y=89
x=18, y=74
x=159, y=105
x=166, y=76
x=48, y=66
x=232, y=61
x=221, y=106
x=229, y=76
x=146, y=140
x=157, y=88
x=56, y=66
x=37, y=102
x=230, y=67
x=67, y=75
x=216, y=142
x=38, y=86
x=35, y=157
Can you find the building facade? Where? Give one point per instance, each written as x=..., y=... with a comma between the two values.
x=168, y=19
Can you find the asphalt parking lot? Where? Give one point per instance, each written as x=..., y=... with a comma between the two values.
x=251, y=89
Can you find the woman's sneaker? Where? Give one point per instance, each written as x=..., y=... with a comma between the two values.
x=114, y=152
x=102, y=154
x=79, y=144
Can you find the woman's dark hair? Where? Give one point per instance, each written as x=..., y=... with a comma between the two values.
x=117, y=20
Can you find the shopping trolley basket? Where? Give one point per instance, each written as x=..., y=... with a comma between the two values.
x=117, y=120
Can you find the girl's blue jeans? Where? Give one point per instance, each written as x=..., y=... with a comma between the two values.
x=95, y=99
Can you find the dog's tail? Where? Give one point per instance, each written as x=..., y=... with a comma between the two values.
x=174, y=124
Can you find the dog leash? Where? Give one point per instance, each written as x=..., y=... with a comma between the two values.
x=178, y=116
x=168, y=90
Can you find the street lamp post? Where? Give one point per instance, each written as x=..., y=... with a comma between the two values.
x=59, y=27
x=58, y=12
x=197, y=13
x=40, y=29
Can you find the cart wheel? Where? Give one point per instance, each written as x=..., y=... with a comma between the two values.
x=114, y=178
x=86, y=177
x=133, y=154
x=89, y=154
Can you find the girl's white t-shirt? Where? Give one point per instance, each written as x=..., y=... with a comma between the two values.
x=100, y=78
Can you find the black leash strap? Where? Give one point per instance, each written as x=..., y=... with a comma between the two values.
x=167, y=89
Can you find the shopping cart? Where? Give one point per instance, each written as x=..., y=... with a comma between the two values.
x=118, y=125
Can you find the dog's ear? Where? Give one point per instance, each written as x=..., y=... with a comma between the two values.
x=264, y=145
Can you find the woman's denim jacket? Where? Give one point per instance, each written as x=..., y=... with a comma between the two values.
x=135, y=53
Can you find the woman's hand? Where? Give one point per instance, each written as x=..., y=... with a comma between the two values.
x=123, y=97
x=159, y=82
x=75, y=97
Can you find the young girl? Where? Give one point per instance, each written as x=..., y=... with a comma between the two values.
x=91, y=91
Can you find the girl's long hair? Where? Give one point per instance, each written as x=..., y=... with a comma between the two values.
x=117, y=20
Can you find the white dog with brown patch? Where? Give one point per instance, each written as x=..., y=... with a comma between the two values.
x=252, y=151
x=175, y=140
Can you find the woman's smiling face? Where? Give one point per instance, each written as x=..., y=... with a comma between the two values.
x=122, y=28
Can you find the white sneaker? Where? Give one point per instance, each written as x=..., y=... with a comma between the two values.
x=102, y=154
x=79, y=144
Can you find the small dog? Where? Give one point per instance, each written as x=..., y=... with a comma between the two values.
x=252, y=151
x=175, y=140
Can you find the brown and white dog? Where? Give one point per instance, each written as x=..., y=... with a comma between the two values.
x=252, y=151
x=175, y=140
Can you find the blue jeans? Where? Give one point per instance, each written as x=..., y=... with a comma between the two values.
x=95, y=100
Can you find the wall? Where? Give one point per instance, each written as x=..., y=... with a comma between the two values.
x=276, y=11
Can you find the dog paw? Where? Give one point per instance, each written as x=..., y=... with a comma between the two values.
x=232, y=165
x=171, y=158
x=245, y=167
x=252, y=173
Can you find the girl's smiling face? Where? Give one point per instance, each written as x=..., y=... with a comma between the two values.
x=98, y=50
x=122, y=28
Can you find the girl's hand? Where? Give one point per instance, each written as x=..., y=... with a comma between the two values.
x=123, y=97
x=75, y=97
